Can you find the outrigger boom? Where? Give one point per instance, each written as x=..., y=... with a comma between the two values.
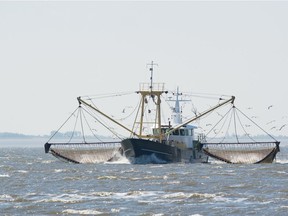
x=168, y=132
x=201, y=114
x=105, y=115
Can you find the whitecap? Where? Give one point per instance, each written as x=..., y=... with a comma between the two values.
x=22, y=171
x=63, y=198
x=6, y=197
x=82, y=212
x=107, y=177
x=281, y=161
x=135, y=194
x=4, y=176
x=181, y=195
x=113, y=210
x=59, y=170
x=47, y=161
x=102, y=194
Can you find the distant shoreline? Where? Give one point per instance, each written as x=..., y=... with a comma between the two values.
x=9, y=135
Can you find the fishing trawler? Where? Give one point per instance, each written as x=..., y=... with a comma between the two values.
x=157, y=140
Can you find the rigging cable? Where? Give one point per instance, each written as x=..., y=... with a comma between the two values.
x=113, y=132
x=257, y=125
x=73, y=114
x=90, y=127
x=83, y=135
x=244, y=128
x=227, y=131
x=235, y=127
x=226, y=114
x=75, y=125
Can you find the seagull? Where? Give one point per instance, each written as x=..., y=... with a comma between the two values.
x=270, y=122
x=282, y=127
x=270, y=106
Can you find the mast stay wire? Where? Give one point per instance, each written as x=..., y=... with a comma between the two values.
x=90, y=127
x=225, y=115
x=235, y=127
x=81, y=121
x=106, y=95
x=72, y=114
x=256, y=124
x=101, y=122
x=247, y=134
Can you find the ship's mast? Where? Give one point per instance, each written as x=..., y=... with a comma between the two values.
x=151, y=91
x=151, y=75
x=176, y=110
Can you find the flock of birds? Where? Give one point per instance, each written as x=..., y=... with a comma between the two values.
x=272, y=121
x=272, y=125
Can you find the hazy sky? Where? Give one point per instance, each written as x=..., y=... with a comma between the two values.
x=52, y=52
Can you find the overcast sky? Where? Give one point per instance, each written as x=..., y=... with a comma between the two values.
x=52, y=52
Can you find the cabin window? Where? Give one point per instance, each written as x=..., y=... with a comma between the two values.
x=156, y=131
x=176, y=132
x=182, y=132
x=163, y=130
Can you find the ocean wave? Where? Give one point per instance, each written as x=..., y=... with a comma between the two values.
x=6, y=197
x=102, y=194
x=63, y=198
x=182, y=195
x=107, y=177
x=82, y=212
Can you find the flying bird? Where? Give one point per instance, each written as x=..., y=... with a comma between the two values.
x=282, y=127
x=270, y=122
x=269, y=107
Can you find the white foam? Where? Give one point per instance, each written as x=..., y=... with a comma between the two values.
x=59, y=170
x=181, y=195
x=82, y=212
x=22, y=171
x=6, y=197
x=282, y=161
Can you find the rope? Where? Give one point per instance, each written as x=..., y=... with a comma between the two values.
x=83, y=135
x=97, y=119
x=106, y=95
x=212, y=129
x=90, y=127
x=235, y=127
x=256, y=125
x=244, y=128
x=63, y=123
x=75, y=124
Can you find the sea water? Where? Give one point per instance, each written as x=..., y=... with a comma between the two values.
x=35, y=183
